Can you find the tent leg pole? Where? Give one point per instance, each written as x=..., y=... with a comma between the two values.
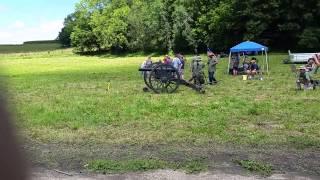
x=267, y=62
x=263, y=65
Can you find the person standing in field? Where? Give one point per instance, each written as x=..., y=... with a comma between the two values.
x=176, y=63
x=183, y=62
x=197, y=69
x=235, y=64
x=147, y=63
x=212, y=62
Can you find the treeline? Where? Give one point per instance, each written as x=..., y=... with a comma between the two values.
x=183, y=25
x=42, y=42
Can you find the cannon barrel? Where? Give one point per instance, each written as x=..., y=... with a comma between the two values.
x=145, y=69
x=151, y=69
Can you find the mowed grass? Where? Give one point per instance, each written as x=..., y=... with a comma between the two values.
x=32, y=47
x=64, y=98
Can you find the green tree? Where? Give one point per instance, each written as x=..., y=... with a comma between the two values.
x=183, y=34
x=110, y=25
x=82, y=38
x=310, y=39
x=166, y=21
x=182, y=25
x=65, y=34
x=144, y=25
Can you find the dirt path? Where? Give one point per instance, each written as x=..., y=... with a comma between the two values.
x=287, y=163
x=41, y=174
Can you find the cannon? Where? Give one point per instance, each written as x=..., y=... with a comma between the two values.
x=164, y=78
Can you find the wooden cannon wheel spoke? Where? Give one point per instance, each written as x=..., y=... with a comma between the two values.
x=163, y=78
x=171, y=86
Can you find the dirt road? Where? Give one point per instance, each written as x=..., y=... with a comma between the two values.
x=41, y=174
x=288, y=164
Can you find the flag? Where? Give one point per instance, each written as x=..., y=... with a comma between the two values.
x=209, y=52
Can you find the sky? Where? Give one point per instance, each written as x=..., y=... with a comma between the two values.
x=29, y=20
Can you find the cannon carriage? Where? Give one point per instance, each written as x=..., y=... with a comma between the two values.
x=164, y=78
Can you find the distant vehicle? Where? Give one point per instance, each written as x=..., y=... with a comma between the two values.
x=297, y=58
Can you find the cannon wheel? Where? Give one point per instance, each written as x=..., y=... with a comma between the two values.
x=147, y=75
x=164, y=79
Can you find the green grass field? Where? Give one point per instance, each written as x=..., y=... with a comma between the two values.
x=29, y=47
x=62, y=98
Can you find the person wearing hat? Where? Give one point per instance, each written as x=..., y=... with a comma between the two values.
x=197, y=67
x=306, y=73
x=212, y=62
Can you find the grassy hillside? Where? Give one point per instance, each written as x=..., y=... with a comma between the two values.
x=34, y=46
x=64, y=98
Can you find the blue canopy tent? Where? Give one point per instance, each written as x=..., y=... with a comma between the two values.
x=250, y=46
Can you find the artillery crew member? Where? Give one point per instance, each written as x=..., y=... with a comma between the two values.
x=146, y=64
x=176, y=63
x=183, y=62
x=212, y=62
x=197, y=69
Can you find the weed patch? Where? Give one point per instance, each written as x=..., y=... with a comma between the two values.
x=122, y=166
x=257, y=167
